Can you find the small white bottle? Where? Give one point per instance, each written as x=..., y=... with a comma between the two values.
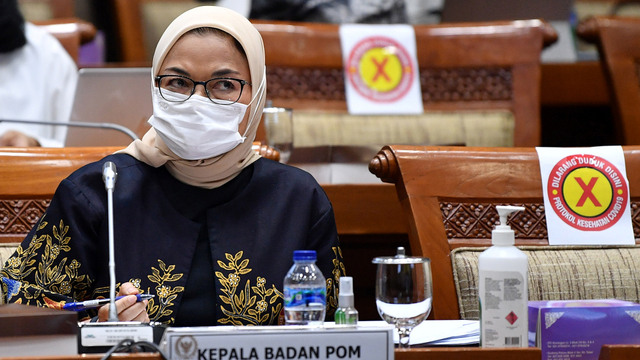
x=346, y=313
x=503, y=289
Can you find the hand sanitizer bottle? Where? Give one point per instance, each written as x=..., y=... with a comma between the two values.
x=503, y=289
x=346, y=314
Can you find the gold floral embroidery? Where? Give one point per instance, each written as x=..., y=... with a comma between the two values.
x=166, y=293
x=136, y=283
x=250, y=306
x=50, y=273
x=333, y=291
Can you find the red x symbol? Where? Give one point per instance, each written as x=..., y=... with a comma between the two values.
x=380, y=69
x=587, y=194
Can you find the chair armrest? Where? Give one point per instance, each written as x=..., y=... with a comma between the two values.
x=266, y=151
x=86, y=29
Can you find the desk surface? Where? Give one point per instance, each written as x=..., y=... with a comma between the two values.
x=461, y=353
x=609, y=352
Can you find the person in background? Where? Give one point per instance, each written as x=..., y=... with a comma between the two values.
x=37, y=81
x=201, y=221
x=331, y=11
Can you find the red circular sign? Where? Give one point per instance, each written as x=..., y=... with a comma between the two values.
x=358, y=59
x=587, y=192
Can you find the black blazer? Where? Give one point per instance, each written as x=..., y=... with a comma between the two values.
x=252, y=237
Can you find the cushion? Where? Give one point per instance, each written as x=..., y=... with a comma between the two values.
x=36, y=10
x=558, y=273
x=484, y=128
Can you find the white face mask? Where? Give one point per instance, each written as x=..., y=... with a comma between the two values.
x=197, y=128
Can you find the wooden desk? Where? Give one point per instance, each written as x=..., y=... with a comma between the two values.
x=460, y=353
x=468, y=353
x=620, y=352
x=366, y=209
x=608, y=352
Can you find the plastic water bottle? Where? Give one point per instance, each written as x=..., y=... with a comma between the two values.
x=305, y=291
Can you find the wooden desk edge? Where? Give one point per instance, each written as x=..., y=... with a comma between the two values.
x=468, y=353
x=620, y=352
x=434, y=353
x=608, y=352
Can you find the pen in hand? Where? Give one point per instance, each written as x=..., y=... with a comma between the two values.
x=90, y=304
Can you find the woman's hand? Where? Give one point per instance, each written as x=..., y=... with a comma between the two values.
x=128, y=308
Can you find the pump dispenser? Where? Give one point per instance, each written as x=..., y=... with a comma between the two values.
x=503, y=288
x=503, y=234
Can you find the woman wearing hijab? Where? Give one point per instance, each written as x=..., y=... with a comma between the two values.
x=201, y=220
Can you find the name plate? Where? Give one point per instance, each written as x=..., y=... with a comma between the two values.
x=109, y=334
x=279, y=342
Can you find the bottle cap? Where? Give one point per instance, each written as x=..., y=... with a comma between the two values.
x=503, y=234
x=304, y=255
x=345, y=299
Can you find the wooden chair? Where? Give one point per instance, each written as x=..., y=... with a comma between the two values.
x=463, y=67
x=71, y=32
x=618, y=41
x=139, y=32
x=448, y=196
x=477, y=67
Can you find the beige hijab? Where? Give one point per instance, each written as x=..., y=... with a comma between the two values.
x=213, y=172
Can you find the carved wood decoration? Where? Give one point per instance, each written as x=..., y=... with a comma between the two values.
x=438, y=85
x=461, y=220
x=17, y=217
x=305, y=83
x=466, y=84
x=477, y=220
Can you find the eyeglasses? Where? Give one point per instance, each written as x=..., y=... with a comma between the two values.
x=222, y=91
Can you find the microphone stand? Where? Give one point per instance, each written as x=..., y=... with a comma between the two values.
x=96, y=337
x=109, y=175
x=110, y=126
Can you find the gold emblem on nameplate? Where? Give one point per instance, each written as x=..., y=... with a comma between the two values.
x=186, y=347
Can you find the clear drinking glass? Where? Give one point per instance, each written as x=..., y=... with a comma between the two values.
x=403, y=292
x=278, y=124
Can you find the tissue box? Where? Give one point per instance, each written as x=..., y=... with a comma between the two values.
x=577, y=329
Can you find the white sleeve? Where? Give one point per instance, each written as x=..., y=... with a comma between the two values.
x=47, y=78
x=62, y=87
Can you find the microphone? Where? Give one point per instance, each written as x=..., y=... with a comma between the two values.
x=100, y=337
x=109, y=175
